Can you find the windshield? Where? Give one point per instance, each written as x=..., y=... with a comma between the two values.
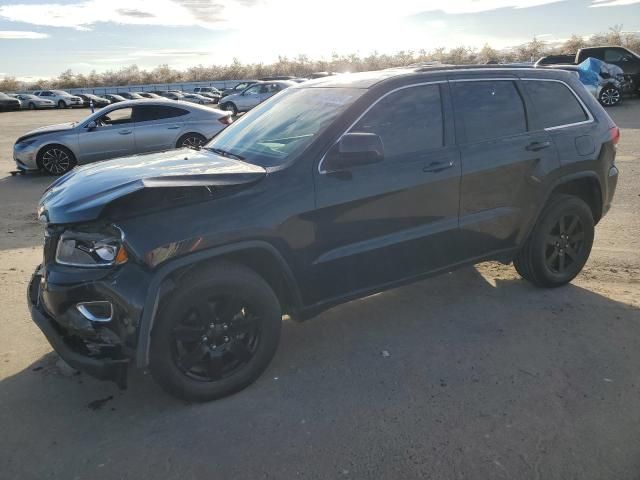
x=283, y=125
x=60, y=92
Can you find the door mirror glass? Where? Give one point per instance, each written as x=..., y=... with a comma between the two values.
x=92, y=125
x=353, y=150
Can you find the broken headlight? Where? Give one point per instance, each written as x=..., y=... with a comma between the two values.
x=88, y=249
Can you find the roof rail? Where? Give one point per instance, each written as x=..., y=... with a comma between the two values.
x=432, y=68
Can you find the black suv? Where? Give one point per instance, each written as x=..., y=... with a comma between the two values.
x=186, y=261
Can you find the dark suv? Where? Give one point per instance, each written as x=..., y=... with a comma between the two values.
x=185, y=261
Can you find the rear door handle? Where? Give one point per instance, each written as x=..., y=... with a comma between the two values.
x=535, y=146
x=125, y=132
x=434, y=167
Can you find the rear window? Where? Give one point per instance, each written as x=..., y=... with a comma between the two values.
x=147, y=113
x=489, y=109
x=554, y=103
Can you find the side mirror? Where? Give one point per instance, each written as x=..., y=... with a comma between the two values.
x=354, y=150
x=92, y=125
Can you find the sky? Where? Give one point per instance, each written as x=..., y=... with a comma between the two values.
x=41, y=38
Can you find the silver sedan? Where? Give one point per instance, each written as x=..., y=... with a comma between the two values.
x=32, y=102
x=125, y=128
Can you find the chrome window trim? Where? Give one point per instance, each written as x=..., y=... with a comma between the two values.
x=590, y=118
x=323, y=172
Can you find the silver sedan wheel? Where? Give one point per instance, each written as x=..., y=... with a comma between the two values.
x=610, y=97
x=56, y=161
x=193, y=142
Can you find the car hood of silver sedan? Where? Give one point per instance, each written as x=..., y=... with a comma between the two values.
x=83, y=193
x=60, y=127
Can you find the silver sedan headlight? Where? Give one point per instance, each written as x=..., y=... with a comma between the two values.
x=91, y=249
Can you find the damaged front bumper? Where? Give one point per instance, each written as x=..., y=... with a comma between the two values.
x=95, y=350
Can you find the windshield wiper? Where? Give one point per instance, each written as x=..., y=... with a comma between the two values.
x=224, y=153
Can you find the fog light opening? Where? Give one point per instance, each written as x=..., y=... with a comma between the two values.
x=100, y=311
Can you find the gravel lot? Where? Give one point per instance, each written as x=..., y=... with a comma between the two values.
x=471, y=375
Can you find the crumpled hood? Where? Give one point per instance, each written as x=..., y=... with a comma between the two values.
x=60, y=127
x=82, y=194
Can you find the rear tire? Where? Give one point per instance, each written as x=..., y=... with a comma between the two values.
x=215, y=334
x=559, y=245
x=191, y=140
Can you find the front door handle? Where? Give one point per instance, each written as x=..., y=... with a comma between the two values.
x=125, y=132
x=535, y=146
x=173, y=127
x=435, y=167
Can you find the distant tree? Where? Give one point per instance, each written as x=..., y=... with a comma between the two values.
x=9, y=84
x=302, y=65
x=572, y=45
x=487, y=54
x=532, y=50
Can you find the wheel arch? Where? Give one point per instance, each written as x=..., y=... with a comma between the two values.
x=260, y=256
x=584, y=185
x=53, y=144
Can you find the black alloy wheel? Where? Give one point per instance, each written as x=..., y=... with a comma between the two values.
x=565, y=244
x=216, y=333
x=560, y=243
x=215, y=337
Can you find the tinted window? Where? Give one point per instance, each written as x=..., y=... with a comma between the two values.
x=407, y=121
x=555, y=104
x=116, y=117
x=615, y=55
x=489, y=109
x=157, y=112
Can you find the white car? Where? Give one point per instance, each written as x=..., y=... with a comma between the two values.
x=32, y=102
x=60, y=98
x=196, y=98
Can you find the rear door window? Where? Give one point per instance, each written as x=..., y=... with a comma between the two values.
x=554, y=103
x=489, y=109
x=147, y=113
x=408, y=121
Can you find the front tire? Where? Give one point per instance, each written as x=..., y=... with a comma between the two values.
x=230, y=107
x=32, y=106
x=61, y=104
x=56, y=160
x=610, y=96
x=559, y=245
x=215, y=334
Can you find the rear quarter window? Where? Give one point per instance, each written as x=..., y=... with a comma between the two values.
x=555, y=104
x=489, y=109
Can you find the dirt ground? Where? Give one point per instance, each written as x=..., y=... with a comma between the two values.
x=471, y=375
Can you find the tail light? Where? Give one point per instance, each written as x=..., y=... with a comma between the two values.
x=615, y=135
x=227, y=120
